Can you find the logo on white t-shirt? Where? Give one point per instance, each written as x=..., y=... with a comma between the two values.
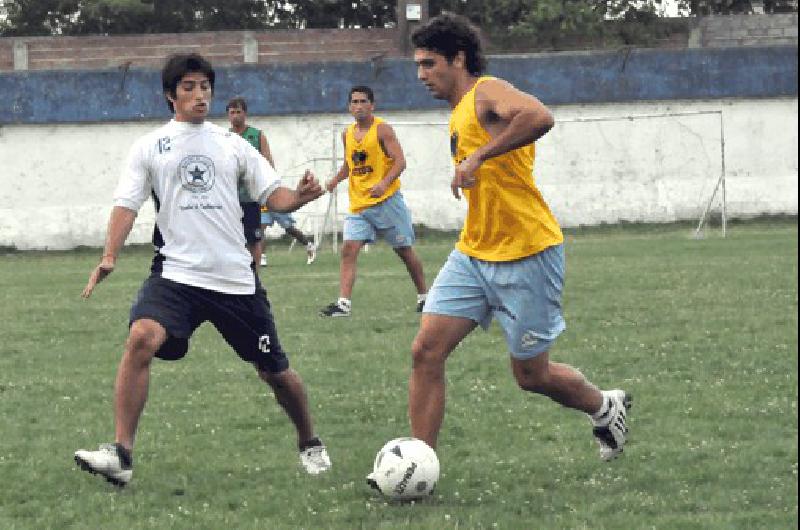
x=197, y=173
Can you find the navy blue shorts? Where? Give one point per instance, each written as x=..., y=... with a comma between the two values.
x=251, y=220
x=245, y=321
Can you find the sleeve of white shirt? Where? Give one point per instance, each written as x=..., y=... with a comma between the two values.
x=259, y=176
x=135, y=185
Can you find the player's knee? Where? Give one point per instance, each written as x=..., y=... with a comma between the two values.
x=533, y=380
x=425, y=355
x=142, y=344
x=276, y=381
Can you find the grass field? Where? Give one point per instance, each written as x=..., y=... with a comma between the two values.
x=703, y=333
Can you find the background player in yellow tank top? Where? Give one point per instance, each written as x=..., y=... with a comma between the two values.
x=509, y=260
x=373, y=163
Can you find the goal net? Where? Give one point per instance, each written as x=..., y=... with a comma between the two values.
x=647, y=168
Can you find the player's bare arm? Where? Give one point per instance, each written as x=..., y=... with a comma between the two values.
x=511, y=117
x=119, y=226
x=264, y=148
x=391, y=146
x=343, y=173
x=285, y=200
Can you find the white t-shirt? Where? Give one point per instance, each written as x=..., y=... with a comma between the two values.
x=193, y=172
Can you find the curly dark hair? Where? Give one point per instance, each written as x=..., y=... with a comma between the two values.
x=448, y=34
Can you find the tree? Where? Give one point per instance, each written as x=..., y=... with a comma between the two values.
x=562, y=24
x=335, y=13
x=538, y=23
x=735, y=7
x=107, y=17
x=36, y=17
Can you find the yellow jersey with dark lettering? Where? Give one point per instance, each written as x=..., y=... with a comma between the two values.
x=507, y=217
x=368, y=164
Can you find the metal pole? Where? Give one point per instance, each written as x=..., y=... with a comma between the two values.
x=707, y=208
x=722, y=178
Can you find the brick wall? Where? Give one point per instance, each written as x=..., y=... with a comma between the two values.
x=60, y=53
x=6, y=54
x=324, y=45
x=745, y=30
x=222, y=48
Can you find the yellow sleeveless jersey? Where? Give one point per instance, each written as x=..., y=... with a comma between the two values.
x=368, y=164
x=507, y=217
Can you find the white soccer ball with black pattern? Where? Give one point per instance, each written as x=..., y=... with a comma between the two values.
x=405, y=469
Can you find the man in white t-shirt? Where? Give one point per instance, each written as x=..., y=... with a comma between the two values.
x=202, y=270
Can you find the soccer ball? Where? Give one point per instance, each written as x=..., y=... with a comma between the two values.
x=405, y=469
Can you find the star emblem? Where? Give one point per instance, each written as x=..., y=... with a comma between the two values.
x=197, y=173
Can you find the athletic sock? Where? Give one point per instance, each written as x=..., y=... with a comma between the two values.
x=344, y=304
x=422, y=297
x=602, y=413
x=313, y=442
x=125, y=457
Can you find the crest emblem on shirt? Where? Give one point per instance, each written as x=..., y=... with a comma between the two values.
x=197, y=173
x=359, y=157
x=360, y=167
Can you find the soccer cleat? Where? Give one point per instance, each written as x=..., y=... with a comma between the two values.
x=335, y=310
x=420, y=305
x=111, y=461
x=315, y=459
x=610, y=429
x=311, y=252
x=263, y=260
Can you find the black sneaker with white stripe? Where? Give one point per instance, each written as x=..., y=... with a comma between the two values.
x=334, y=309
x=610, y=429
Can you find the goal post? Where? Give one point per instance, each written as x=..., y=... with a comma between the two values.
x=686, y=153
x=605, y=169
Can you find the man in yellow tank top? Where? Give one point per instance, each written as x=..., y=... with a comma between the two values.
x=373, y=163
x=509, y=260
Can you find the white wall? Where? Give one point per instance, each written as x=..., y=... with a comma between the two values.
x=56, y=181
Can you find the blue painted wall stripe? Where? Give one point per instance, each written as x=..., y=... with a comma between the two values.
x=559, y=78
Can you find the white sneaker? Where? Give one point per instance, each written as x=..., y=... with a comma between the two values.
x=315, y=459
x=110, y=460
x=263, y=260
x=610, y=429
x=311, y=252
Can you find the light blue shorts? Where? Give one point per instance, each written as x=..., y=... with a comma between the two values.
x=284, y=220
x=389, y=219
x=524, y=295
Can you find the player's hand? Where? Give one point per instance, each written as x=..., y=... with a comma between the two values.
x=103, y=269
x=377, y=191
x=465, y=175
x=331, y=185
x=308, y=188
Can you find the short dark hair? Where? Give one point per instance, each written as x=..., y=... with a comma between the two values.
x=178, y=66
x=448, y=34
x=236, y=103
x=364, y=89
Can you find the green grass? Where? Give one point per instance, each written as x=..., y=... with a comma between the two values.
x=703, y=333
